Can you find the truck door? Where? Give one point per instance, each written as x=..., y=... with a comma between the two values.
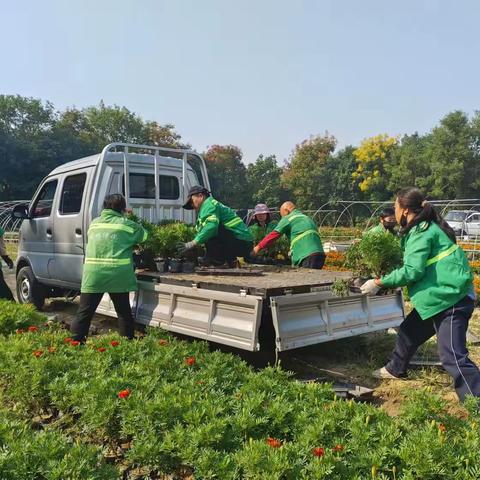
x=69, y=228
x=37, y=238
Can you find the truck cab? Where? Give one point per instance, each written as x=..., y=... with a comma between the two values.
x=53, y=234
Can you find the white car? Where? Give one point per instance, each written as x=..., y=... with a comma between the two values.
x=464, y=222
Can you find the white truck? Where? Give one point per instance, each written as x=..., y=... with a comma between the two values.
x=292, y=308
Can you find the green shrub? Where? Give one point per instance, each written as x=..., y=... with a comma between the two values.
x=14, y=316
x=374, y=255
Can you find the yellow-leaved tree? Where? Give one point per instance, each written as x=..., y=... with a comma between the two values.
x=372, y=156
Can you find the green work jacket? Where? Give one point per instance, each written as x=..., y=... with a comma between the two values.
x=211, y=215
x=108, y=259
x=435, y=270
x=258, y=232
x=302, y=234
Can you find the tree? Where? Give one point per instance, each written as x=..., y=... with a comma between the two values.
x=264, y=180
x=340, y=168
x=228, y=175
x=372, y=156
x=306, y=174
x=409, y=165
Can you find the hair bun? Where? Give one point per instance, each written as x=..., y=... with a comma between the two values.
x=424, y=204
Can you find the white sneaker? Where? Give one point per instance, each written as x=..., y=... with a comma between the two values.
x=383, y=373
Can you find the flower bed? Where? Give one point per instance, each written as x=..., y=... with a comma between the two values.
x=170, y=406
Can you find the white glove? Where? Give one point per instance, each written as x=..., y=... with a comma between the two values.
x=369, y=287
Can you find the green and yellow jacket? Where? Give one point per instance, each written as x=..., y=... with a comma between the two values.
x=258, y=232
x=108, y=259
x=211, y=215
x=435, y=270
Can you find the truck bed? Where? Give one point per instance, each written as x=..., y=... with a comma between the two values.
x=273, y=281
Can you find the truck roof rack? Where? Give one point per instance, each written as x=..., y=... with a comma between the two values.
x=157, y=152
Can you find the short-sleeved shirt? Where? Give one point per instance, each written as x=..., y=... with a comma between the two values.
x=302, y=234
x=109, y=254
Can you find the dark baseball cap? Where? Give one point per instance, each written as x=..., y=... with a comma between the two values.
x=195, y=190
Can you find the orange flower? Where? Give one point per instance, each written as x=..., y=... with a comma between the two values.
x=67, y=340
x=124, y=393
x=74, y=343
x=52, y=350
x=32, y=328
x=38, y=353
x=442, y=428
x=114, y=343
x=274, y=443
x=337, y=448
x=318, y=452
x=102, y=349
x=162, y=342
x=190, y=361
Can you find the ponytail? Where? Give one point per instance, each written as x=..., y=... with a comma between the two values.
x=413, y=199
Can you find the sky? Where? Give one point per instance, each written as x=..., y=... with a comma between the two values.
x=260, y=74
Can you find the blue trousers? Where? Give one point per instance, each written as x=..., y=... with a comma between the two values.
x=450, y=326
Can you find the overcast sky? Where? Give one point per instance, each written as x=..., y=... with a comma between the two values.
x=260, y=74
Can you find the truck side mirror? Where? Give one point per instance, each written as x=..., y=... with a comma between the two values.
x=20, y=212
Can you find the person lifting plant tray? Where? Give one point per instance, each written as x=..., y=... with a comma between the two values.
x=440, y=284
x=305, y=243
x=222, y=232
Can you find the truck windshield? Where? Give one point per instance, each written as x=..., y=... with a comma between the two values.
x=455, y=216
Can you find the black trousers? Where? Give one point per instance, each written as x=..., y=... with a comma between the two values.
x=451, y=328
x=5, y=292
x=89, y=303
x=225, y=247
x=316, y=260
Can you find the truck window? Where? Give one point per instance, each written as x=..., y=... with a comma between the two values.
x=72, y=194
x=44, y=201
x=142, y=185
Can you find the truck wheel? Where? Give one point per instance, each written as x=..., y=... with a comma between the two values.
x=29, y=290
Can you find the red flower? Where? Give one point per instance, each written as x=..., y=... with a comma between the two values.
x=442, y=427
x=32, y=328
x=52, y=350
x=124, y=393
x=74, y=343
x=318, y=452
x=190, y=361
x=162, y=342
x=20, y=330
x=114, y=343
x=67, y=340
x=102, y=349
x=38, y=353
x=274, y=443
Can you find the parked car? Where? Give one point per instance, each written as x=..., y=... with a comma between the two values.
x=55, y=223
x=464, y=222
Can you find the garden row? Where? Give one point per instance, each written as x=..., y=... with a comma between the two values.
x=165, y=405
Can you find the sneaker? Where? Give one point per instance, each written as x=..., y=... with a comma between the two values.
x=384, y=374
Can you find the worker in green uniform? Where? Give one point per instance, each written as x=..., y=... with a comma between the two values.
x=261, y=223
x=439, y=280
x=109, y=267
x=5, y=292
x=305, y=244
x=387, y=222
x=222, y=232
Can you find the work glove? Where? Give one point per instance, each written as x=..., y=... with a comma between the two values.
x=8, y=261
x=369, y=287
x=182, y=247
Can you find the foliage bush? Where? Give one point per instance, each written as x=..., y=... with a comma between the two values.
x=173, y=404
x=14, y=316
x=374, y=255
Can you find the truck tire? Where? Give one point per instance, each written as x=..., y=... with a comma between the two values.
x=29, y=290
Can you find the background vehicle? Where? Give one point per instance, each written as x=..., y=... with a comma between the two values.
x=464, y=222
x=52, y=242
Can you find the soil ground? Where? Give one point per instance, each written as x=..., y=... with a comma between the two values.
x=350, y=360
